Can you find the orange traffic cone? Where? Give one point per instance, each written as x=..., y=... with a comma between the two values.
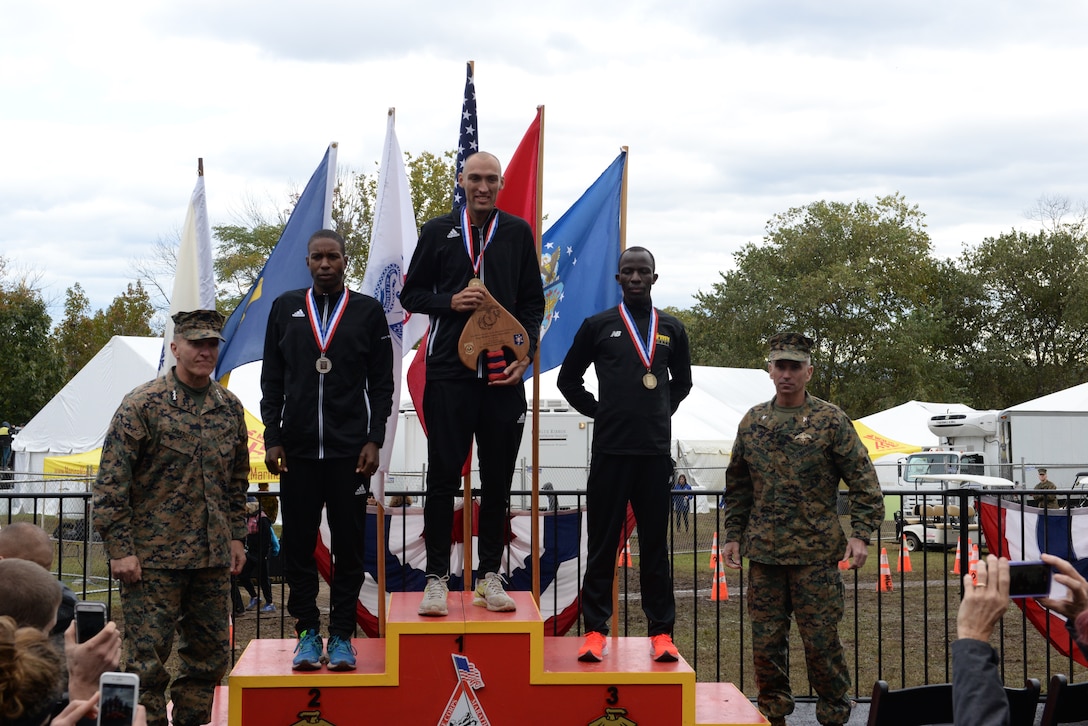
x=844, y=564
x=884, y=584
x=625, y=554
x=904, y=557
x=959, y=553
x=972, y=564
x=720, y=590
x=714, y=552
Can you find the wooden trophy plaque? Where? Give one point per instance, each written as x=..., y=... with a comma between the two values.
x=490, y=329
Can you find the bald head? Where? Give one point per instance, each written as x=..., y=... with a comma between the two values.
x=26, y=541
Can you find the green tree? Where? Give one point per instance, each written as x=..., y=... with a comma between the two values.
x=1033, y=317
x=858, y=278
x=80, y=335
x=31, y=370
x=75, y=334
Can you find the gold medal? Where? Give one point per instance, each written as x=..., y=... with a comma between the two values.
x=323, y=365
x=475, y=282
x=649, y=381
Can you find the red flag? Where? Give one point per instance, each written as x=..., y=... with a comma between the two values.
x=518, y=195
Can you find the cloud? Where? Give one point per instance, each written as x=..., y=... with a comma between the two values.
x=733, y=112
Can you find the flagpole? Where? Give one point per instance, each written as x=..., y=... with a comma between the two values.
x=623, y=200
x=466, y=510
x=534, y=507
x=623, y=246
x=200, y=166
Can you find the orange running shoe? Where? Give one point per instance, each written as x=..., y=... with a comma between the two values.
x=594, y=648
x=662, y=648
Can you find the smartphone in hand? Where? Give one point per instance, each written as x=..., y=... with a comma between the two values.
x=1029, y=579
x=119, y=694
x=90, y=619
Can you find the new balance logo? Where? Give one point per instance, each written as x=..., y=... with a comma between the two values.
x=616, y=334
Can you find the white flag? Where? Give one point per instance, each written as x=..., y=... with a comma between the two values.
x=391, y=244
x=194, y=276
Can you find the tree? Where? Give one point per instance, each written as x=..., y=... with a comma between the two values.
x=80, y=335
x=1033, y=317
x=858, y=278
x=75, y=333
x=31, y=371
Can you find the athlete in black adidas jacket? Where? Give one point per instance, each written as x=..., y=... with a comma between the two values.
x=318, y=436
x=459, y=402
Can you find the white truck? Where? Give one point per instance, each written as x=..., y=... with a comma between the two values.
x=1012, y=444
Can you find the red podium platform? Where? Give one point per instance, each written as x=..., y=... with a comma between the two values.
x=475, y=668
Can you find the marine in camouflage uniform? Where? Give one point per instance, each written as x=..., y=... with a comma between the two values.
x=1049, y=501
x=782, y=488
x=169, y=503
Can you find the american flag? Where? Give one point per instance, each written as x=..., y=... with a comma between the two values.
x=468, y=142
x=468, y=672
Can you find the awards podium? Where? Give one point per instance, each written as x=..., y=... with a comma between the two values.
x=474, y=668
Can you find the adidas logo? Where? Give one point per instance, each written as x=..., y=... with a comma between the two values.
x=453, y=233
x=298, y=314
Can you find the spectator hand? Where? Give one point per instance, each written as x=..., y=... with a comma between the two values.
x=89, y=660
x=76, y=710
x=984, y=603
x=1076, y=600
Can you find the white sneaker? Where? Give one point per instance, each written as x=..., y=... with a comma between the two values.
x=491, y=595
x=434, y=597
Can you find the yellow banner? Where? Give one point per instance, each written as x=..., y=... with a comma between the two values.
x=879, y=445
x=86, y=463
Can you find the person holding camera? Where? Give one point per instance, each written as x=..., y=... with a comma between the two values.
x=978, y=693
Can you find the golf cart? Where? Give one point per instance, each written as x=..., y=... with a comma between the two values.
x=931, y=517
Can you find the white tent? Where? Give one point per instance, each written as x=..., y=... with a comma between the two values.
x=76, y=419
x=1069, y=400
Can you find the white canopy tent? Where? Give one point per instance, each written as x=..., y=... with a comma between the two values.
x=76, y=419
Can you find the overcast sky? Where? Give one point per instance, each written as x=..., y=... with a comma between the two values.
x=734, y=111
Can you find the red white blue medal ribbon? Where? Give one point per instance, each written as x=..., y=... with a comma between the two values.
x=324, y=330
x=488, y=235
x=645, y=349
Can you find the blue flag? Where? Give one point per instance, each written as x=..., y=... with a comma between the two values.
x=578, y=264
x=285, y=270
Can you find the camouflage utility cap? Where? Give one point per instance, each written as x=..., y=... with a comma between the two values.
x=198, y=324
x=789, y=346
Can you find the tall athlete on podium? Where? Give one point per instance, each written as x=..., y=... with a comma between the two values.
x=478, y=242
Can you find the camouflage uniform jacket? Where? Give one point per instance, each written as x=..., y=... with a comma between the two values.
x=782, y=485
x=172, y=482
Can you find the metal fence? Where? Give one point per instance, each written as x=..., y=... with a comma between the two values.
x=900, y=634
